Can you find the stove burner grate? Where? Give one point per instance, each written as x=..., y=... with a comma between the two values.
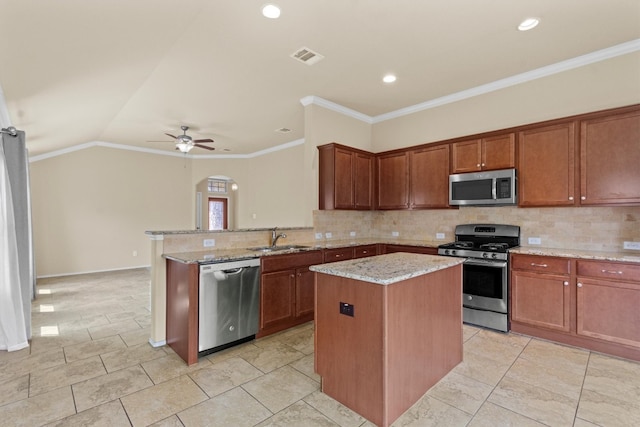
x=494, y=246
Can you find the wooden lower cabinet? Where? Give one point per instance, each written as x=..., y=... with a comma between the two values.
x=286, y=291
x=585, y=303
x=391, y=248
x=608, y=302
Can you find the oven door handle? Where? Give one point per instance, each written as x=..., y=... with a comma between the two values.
x=486, y=263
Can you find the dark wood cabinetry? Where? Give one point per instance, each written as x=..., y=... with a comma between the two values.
x=429, y=177
x=345, y=178
x=608, y=301
x=391, y=248
x=546, y=165
x=392, y=180
x=489, y=153
x=286, y=292
x=586, y=303
x=182, y=309
x=540, y=293
x=610, y=159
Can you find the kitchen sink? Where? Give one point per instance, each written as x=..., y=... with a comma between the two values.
x=277, y=248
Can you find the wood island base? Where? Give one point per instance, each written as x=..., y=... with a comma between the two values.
x=400, y=340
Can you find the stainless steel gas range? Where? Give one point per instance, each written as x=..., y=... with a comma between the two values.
x=485, y=272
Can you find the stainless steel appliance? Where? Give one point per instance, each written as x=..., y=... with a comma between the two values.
x=485, y=272
x=229, y=304
x=483, y=188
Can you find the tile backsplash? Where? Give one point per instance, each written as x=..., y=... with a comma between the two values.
x=589, y=228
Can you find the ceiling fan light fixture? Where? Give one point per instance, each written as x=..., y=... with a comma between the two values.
x=184, y=147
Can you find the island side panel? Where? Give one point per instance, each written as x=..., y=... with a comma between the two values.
x=182, y=309
x=348, y=350
x=423, y=335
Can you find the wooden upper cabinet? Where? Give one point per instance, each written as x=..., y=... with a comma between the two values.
x=345, y=178
x=393, y=180
x=495, y=152
x=610, y=159
x=429, y=177
x=546, y=165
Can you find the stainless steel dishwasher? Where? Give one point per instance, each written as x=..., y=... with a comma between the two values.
x=229, y=304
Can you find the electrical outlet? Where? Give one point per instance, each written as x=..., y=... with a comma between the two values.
x=209, y=243
x=635, y=246
x=534, y=241
x=395, y=233
x=439, y=236
x=318, y=236
x=327, y=235
x=352, y=233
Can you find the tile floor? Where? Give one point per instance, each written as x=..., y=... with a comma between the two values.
x=90, y=365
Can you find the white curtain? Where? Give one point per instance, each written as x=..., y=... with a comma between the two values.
x=17, y=279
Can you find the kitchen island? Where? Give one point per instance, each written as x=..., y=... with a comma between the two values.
x=387, y=328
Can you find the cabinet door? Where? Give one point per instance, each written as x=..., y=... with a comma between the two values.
x=609, y=310
x=541, y=300
x=304, y=292
x=430, y=177
x=277, y=298
x=363, y=181
x=393, y=181
x=466, y=156
x=546, y=166
x=610, y=160
x=343, y=182
x=499, y=152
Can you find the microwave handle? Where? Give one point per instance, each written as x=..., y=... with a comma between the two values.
x=493, y=189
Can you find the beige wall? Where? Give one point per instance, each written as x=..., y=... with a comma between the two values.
x=92, y=207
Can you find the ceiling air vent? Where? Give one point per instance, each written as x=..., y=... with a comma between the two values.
x=306, y=56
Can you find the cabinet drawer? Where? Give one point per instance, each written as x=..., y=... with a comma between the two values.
x=365, y=251
x=609, y=270
x=290, y=261
x=542, y=264
x=338, y=254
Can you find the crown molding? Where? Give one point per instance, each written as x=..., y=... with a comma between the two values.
x=559, y=67
x=91, y=144
x=316, y=100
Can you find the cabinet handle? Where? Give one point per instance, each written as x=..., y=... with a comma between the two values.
x=565, y=283
x=570, y=197
x=478, y=165
x=579, y=284
x=483, y=165
x=533, y=264
x=583, y=198
x=611, y=272
x=365, y=252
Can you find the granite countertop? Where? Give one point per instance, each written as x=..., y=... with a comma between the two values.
x=170, y=232
x=387, y=269
x=223, y=255
x=578, y=253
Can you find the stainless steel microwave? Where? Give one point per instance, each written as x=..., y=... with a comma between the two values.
x=483, y=188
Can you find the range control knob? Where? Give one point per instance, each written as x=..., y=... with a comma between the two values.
x=453, y=252
x=485, y=255
x=494, y=256
x=446, y=251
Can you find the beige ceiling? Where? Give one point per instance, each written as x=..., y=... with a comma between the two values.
x=127, y=71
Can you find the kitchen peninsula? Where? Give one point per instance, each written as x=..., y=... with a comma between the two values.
x=387, y=328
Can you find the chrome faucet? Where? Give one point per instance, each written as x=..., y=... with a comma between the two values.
x=275, y=237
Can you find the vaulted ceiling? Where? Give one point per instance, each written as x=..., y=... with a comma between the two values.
x=127, y=72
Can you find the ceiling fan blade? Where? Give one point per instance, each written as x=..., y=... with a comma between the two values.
x=204, y=146
x=172, y=136
x=203, y=140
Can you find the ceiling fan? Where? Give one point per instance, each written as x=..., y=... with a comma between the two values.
x=185, y=143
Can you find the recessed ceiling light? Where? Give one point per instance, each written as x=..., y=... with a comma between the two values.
x=271, y=11
x=528, y=24
x=389, y=78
